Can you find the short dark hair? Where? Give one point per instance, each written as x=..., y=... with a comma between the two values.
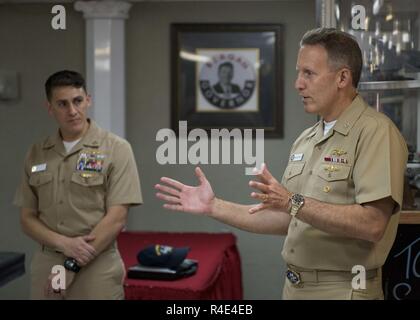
x=64, y=78
x=342, y=49
x=225, y=64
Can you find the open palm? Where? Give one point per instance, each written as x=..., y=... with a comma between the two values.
x=181, y=197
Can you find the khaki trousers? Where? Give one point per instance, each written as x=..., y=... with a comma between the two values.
x=101, y=279
x=334, y=290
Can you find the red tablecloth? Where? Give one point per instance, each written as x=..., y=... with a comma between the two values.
x=218, y=276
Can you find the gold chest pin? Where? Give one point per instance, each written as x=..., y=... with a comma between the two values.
x=331, y=168
x=327, y=189
x=338, y=152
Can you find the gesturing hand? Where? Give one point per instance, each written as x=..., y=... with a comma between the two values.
x=181, y=197
x=273, y=195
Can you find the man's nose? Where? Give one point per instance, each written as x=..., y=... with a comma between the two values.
x=299, y=83
x=72, y=109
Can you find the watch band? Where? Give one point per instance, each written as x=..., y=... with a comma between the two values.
x=289, y=208
x=294, y=210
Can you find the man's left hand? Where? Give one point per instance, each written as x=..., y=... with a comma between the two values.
x=273, y=195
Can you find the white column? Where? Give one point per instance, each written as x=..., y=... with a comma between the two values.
x=325, y=13
x=105, y=61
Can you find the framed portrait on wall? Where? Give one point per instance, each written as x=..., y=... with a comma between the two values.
x=227, y=76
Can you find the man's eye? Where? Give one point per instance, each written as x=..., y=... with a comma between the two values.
x=61, y=104
x=308, y=73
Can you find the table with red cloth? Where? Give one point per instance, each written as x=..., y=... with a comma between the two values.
x=218, y=276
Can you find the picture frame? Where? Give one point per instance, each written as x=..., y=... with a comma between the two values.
x=227, y=76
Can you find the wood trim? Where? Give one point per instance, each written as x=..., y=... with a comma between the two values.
x=410, y=217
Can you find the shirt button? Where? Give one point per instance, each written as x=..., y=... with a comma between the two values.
x=295, y=223
x=62, y=180
x=319, y=147
x=310, y=172
x=61, y=202
x=292, y=251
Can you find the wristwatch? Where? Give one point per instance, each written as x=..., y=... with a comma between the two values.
x=297, y=201
x=71, y=265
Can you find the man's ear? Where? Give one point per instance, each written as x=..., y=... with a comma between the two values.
x=49, y=107
x=344, y=78
x=89, y=100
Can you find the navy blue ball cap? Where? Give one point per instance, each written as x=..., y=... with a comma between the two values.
x=162, y=256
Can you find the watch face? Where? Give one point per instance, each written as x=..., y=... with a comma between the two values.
x=297, y=198
x=71, y=264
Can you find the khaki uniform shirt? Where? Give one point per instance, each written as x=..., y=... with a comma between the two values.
x=361, y=159
x=72, y=192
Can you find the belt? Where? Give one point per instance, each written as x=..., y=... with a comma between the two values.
x=49, y=249
x=298, y=276
x=45, y=248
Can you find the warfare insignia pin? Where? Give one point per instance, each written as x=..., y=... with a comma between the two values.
x=338, y=152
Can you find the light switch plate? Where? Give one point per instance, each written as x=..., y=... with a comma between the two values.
x=9, y=85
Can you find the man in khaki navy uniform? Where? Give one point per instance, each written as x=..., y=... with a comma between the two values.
x=341, y=193
x=74, y=196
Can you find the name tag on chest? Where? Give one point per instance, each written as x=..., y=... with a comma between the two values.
x=296, y=157
x=39, y=167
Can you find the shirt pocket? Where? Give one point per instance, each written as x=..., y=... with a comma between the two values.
x=338, y=173
x=43, y=185
x=87, y=192
x=292, y=176
x=334, y=185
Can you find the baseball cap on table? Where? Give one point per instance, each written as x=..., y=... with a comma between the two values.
x=162, y=256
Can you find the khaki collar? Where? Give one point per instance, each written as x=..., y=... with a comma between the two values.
x=350, y=115
x=92, y=138
x=314, y=130
x=345, y=121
